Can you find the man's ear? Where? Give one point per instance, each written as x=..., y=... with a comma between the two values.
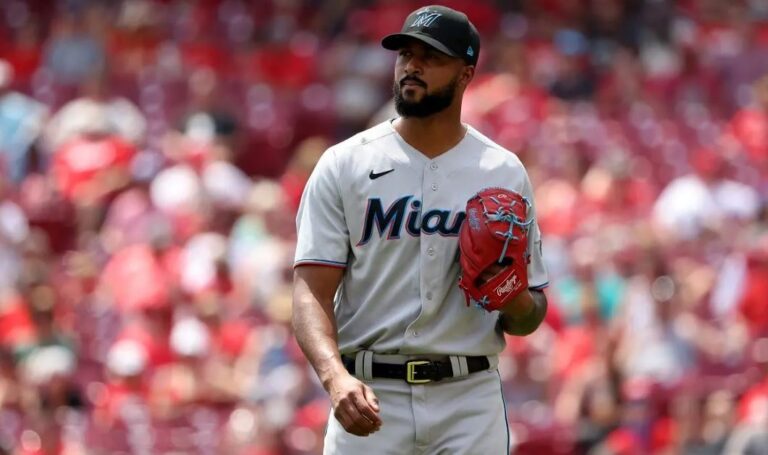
x=467, y=74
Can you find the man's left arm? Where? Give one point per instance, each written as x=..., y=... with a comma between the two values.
x=524, y=314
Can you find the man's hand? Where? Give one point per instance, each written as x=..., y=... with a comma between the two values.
x=355, y=405
x=520, y=306
x=517, y=320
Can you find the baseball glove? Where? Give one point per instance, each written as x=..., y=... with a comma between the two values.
x=495, y=231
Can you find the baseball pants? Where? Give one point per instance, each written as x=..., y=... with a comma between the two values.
x=458, y=416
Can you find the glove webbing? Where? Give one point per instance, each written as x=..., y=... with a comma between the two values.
x=503, y=215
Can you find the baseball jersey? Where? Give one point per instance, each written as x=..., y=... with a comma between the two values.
x=390, y=216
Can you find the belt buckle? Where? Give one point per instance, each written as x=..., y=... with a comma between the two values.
x=410, y=368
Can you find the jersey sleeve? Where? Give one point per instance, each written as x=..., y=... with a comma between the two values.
x=322, y=233
x=537, y=272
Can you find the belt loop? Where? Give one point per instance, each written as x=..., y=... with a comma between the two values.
x=456, y=369
x=359, y=362
x=368, y=366
x=364, y=365
x=463, y=367
x=459, y=365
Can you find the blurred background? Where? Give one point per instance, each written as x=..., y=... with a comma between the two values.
x=153, y=153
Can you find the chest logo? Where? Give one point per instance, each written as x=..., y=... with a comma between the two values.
x=406, y=213
x=375, y=175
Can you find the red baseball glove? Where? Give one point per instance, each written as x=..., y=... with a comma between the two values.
x=495, y=231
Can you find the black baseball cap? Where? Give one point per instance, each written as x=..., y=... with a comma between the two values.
x=443, y=28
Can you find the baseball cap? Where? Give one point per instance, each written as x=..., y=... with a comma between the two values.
x=443, y=28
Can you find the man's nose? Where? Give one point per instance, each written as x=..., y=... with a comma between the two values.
x=413, y=66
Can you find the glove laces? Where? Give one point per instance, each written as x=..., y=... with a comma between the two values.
x=513, y=220
x=482, y=303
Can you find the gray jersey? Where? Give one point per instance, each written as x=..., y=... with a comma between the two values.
x=390, y=217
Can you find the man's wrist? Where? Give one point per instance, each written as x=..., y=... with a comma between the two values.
x=332, y=370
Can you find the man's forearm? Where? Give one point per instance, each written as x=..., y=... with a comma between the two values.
x=314, y=326
x=526, y=324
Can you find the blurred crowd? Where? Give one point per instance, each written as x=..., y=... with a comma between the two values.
x=153, y=153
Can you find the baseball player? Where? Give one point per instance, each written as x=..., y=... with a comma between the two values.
x=384, y=237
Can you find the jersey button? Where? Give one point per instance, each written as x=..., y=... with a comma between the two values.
x=415, y=333
x=431, y=251
x=429, y=296
x=434, y=187
x=433, y=166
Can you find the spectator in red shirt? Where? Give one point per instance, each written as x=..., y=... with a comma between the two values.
x=749, y=126
x=24, y=52
x=96, y=111
x=754, y=300
x=89, y=169
x=751, y=433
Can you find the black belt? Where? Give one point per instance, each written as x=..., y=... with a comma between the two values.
x=419, y=371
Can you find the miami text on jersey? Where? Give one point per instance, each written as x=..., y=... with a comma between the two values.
x=435, y=221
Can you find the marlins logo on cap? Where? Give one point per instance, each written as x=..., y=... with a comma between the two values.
x=425, y=19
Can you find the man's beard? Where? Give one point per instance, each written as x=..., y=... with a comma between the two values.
x=431, y=103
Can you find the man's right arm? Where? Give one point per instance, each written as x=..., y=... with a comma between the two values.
x=314, y=325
